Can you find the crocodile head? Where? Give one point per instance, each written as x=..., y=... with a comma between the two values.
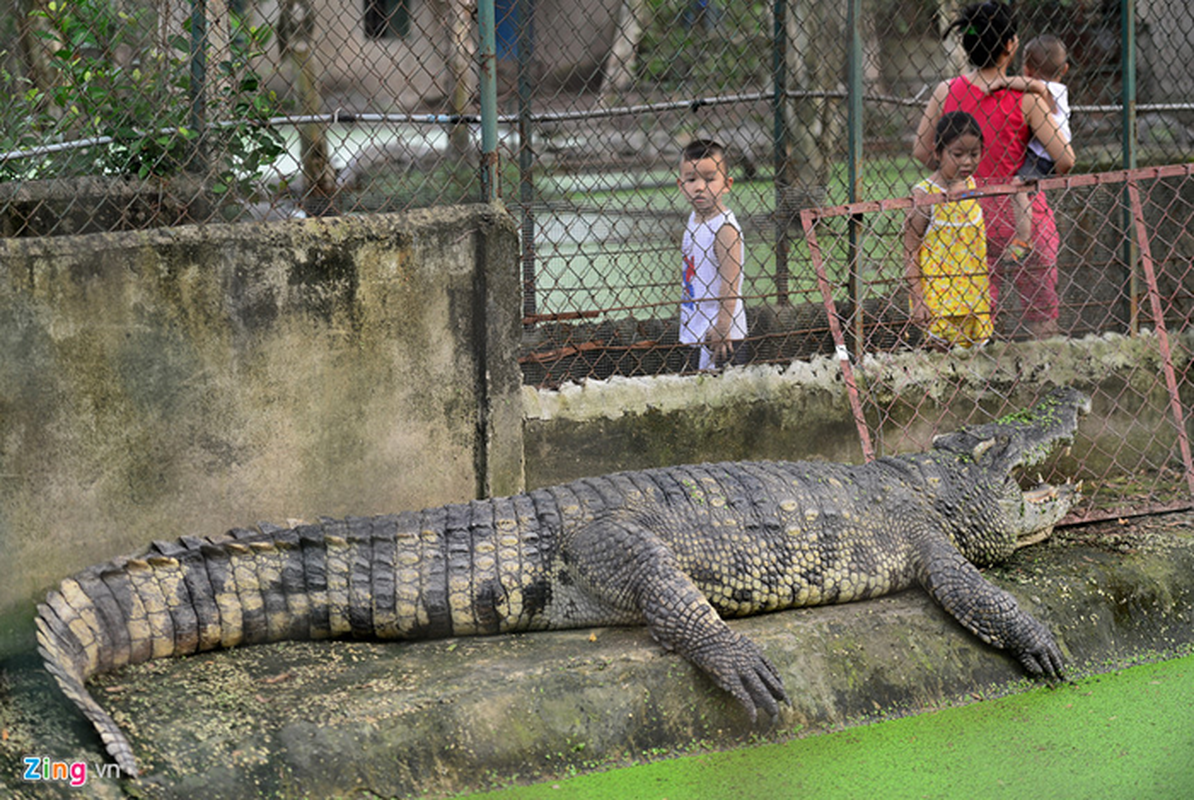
x=1004, y=451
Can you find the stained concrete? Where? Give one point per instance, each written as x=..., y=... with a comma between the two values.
x=341, y=719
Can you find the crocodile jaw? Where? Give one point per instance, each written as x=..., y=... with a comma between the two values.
x=1034, y=513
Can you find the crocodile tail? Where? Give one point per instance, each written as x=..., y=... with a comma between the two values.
x=70, y=652
x=439, y=572
x=181, y=597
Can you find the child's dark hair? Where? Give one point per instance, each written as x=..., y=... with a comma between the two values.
x=953, y=126
x=703, y=148
x=986, y=29
x=1045, y=56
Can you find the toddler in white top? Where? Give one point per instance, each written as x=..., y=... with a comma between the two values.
x=712, y=316
x=1045, y=64
x=1045, y=59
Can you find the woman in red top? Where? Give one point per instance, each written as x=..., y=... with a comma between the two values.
x=1009, y=119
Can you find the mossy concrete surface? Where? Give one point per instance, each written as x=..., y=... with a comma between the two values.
x=354, y=719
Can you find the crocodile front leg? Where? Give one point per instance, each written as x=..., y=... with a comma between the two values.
x=628, y=567
x=984, y=609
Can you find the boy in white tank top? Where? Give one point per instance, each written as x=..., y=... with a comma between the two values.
x=712, y=317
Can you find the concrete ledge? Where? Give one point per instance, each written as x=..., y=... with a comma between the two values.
x=323, y=719
x=801, y=410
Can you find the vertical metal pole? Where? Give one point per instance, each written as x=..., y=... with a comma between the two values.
x=526, y=153
x=1167, y=367
x=854, y=101
x=854, y=165
x=779, y=69
x=1128, y=68
x=488, y=66
x=199, y=83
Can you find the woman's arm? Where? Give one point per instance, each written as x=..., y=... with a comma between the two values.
x=1044, y=128
x=923, y=149
x=1020, y=83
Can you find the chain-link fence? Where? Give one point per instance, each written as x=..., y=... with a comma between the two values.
x=866, y=313
x=139, y=113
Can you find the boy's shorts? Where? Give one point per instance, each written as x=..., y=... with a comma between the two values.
x=1035, y=167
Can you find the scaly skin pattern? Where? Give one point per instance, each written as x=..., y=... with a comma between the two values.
x=675, y=548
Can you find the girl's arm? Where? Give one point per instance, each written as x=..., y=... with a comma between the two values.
x=915, y=225
x=1044, y=127
x=923, y=149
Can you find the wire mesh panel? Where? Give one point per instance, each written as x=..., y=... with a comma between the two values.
x=602, y=213
x=602, y=217
x=903, y=387
x=136, y=113
x=239, y=109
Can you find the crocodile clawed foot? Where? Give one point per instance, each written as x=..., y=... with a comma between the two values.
x=1038, y=652
x=738, y=666
x=766, y=690
x=1047, y=666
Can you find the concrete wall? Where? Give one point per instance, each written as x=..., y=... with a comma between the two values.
x=187, y=380
x=801, y=411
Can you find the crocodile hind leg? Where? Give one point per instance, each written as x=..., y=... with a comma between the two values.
x=629, y=568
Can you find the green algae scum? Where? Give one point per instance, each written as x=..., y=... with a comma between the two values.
x=1127, y=734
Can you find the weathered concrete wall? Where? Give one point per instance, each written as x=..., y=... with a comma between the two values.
x=632, y=423
x=187, y=380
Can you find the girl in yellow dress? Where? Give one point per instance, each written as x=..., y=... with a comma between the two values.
x=945, y=244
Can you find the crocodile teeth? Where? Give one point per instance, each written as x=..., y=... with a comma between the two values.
x=1041, y=494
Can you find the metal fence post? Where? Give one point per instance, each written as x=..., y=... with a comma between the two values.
x=854, y=162
x=526, y=153
x=199, y=83
x=779, y=70
x=1127, y=18
x=488, y=85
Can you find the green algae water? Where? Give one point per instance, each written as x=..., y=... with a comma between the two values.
x=1126, y=734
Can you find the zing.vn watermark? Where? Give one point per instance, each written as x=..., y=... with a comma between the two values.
x=73, y=772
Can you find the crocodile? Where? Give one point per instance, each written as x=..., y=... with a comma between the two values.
x=675, y=548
